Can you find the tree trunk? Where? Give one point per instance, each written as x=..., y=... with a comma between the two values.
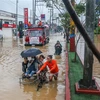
x=88, y=62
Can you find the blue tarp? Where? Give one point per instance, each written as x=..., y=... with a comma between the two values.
x=72, y=35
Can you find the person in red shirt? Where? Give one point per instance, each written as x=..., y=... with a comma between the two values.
x=40, y=23
x=53, y=68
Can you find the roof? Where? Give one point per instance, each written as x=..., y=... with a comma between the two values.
x=7, y=18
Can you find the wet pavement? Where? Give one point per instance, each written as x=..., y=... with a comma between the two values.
x=96, y=66
x=10, y=72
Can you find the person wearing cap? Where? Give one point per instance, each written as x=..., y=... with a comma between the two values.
x=53, y=67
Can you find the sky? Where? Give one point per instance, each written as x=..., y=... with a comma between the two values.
x=10, y=6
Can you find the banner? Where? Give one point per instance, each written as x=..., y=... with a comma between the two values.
x=42, y=16
x=26, y=16
x=9, y=25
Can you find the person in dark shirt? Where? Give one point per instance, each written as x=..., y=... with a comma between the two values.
x=58, y=48
x=25, y=65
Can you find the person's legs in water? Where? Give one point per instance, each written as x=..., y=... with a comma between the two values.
x=55, y=51
x=50, y=77
x=55, y=76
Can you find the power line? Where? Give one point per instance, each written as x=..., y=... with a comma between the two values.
x=11, y=3
x=38, y=9
x=57, y=7
x=15, y=4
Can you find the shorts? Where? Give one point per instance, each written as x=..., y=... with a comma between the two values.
x=53, y=74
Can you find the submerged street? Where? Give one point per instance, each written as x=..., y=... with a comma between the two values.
x=11, y=71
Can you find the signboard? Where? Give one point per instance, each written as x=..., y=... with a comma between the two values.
x=42, y=16
x=9, y=25
x=26, y=16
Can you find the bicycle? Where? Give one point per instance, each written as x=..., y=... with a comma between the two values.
x=36, y=78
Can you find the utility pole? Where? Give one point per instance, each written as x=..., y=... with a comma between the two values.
x=50, y=17
x=16, y=16
x=88, y=60
x=16, y=13
x=30, y=15
x=34, y=10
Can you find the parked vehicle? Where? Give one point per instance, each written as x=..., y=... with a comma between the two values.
x=37, y=36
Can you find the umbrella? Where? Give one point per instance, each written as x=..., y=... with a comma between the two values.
x=30, y=52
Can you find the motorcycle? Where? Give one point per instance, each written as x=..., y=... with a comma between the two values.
x=58, y=50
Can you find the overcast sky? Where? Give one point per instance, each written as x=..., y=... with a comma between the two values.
x=10, y=6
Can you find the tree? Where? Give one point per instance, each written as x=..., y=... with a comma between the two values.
x=80, y=8
x=65, y=18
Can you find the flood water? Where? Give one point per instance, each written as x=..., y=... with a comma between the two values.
x=10, y=72
x=96, y=67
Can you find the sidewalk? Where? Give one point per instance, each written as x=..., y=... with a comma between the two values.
x=67, y=97
x=75, y=72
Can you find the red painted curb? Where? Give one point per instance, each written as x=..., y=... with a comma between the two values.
x=67, y=92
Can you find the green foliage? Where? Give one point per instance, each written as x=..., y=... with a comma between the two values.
x=97, y=30
x=80, y=8
x=65, y=18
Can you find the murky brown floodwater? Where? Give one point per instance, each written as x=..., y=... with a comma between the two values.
x=10, y=72
x=96, y=68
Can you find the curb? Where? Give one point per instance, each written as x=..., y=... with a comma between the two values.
x=67, y=91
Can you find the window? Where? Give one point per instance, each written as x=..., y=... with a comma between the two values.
x=36, y=33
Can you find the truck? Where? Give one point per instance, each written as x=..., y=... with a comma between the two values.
x=37, y=36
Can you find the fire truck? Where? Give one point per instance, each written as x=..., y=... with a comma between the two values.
x=37, y=36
